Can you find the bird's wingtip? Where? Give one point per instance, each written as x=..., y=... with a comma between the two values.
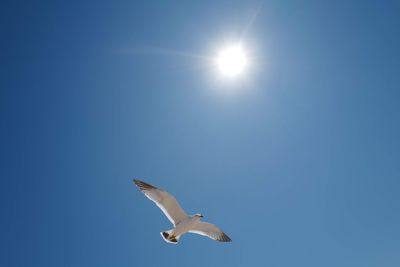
x=143, y=185
x=225, y=238
x=137, y=181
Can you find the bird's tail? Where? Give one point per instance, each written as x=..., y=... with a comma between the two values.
x=170, y=237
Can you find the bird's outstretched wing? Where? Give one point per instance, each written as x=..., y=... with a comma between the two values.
x=210, y=230
x=165, y=201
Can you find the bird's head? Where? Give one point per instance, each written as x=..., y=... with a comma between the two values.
x=198, y=215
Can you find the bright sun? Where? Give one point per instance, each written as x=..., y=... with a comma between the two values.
x=232, y=61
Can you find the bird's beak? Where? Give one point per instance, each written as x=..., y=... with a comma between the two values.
x=201, y=216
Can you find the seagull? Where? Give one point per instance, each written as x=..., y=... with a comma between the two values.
x=182, y=222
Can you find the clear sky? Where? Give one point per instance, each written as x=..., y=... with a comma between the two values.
x=298, y=161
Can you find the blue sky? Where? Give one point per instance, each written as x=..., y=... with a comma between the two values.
x=298, y=162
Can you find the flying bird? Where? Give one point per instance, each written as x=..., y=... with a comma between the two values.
x=182, y=222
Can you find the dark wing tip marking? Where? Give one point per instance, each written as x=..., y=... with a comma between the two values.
x=142, y=185
x=224, y=238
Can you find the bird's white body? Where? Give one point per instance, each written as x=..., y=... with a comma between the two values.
x=178, y=217
x=186, y=225
x=181, y=228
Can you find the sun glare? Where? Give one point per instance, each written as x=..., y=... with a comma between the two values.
x=232, y=61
